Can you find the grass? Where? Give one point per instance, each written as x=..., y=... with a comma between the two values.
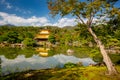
x=76, y=73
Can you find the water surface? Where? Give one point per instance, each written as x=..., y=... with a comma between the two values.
x=17, y=60
x=36, y=62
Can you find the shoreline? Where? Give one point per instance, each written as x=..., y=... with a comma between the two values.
x=76, y=73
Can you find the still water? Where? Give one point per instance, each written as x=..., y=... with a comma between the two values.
x=35, y=62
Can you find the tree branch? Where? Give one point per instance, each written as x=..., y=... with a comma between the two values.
x=80, y=19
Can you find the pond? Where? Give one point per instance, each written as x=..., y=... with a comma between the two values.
x=17, y=60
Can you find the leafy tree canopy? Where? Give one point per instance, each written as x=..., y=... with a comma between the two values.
x=84, y=10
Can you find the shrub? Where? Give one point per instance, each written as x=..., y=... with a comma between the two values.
x=71, y=65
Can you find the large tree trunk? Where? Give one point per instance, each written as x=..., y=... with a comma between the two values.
x=111, y=68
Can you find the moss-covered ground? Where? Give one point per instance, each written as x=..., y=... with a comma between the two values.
x=76, y=73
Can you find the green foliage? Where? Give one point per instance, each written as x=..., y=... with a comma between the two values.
x=77, y=34
x=72, y=65
x=94, y=52
x=115, y=58
x=52, y=39
x=113, y=42
x=12, y=37
x=117, y=34
x=81, y=73
x=17, y=34
x=0, y=67
x=86, y=10
x=12, y=53
x=98, y=58
x=83, y=9
x=3, y=38
x=28, y=42
x=115, y=22
x=28, y=52
x=51, y=52
x=69, y=65
x=29, y=35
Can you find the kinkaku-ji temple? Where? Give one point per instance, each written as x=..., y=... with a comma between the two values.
x=42, y=37
x=42, y=40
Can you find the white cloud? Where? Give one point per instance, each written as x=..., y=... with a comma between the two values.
x=2, y=22
x=8, y=5
x=19, y=21
x=22, y=10
x=33, y=21
x=2, y=1
x=36, y=62
x=65, y=22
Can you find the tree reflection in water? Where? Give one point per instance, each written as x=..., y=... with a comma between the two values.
x=36, y=62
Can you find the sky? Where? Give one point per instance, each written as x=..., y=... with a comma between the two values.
x=31, y=13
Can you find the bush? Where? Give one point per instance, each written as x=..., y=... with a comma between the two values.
x=28, y=42
x=71, y=65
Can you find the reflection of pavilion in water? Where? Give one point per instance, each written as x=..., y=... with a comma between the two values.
x=43, y=51
x=42, y=40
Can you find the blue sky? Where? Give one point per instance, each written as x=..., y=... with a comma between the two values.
x=24, y=8
x=32, y=13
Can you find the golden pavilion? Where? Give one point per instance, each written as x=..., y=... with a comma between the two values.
x=42, y=37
